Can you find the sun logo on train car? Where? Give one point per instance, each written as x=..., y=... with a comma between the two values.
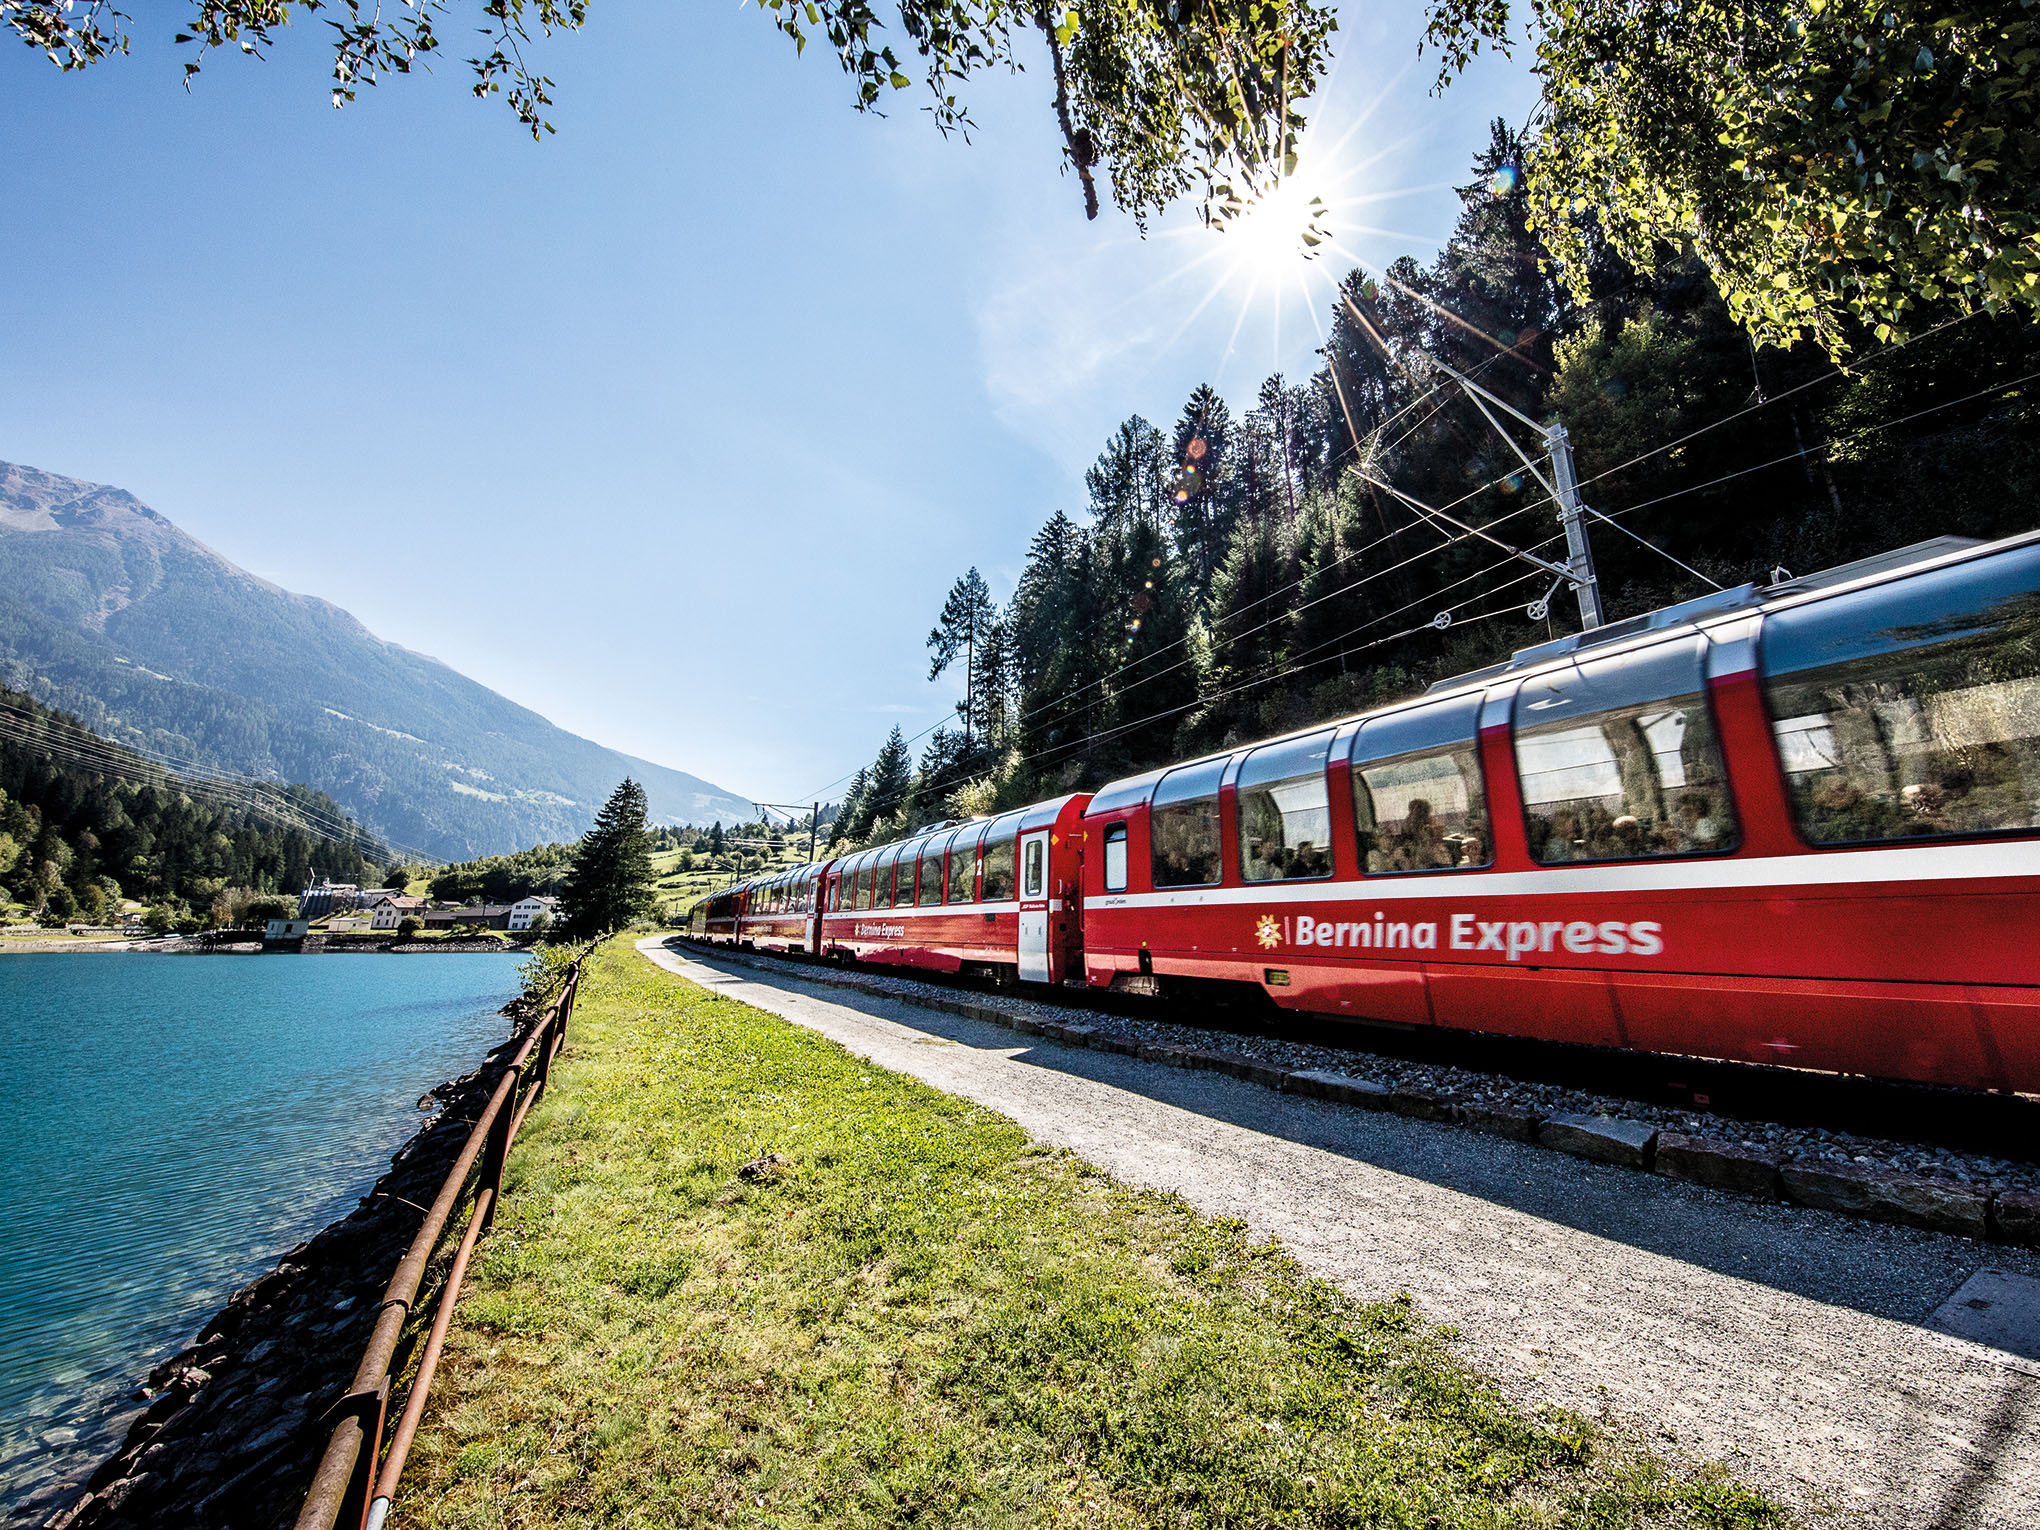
x=1268, y=932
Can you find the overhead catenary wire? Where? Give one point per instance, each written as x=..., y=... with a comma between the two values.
x=1286, y=664
x=1828, y=447
x=1599, y=515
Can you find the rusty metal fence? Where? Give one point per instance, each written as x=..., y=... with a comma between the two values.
x=348, y=1488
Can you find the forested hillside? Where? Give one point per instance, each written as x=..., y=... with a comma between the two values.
x=1233, y=574
x=110, y=612
x=85, y=823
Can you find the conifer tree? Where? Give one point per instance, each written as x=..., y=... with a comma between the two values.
x=610, y=882
x=1203, y=432
x=891, y=774
x=962, y=629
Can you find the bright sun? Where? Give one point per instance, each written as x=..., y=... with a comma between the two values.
x=1270, y=238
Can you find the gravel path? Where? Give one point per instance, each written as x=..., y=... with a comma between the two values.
x=1780, y=1341
x=1785, y=1140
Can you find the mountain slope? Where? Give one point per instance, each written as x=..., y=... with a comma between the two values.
x=110, y=612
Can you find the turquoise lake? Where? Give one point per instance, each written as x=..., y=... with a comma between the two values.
x=171, y=1125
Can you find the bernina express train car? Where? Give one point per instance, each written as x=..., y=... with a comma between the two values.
x=779, y=911
x=993, y=896
x=714, y=918
x=1789, y=825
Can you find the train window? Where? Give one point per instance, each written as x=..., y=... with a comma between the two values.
x=1912, y=710
x=1618, y=759
x=886, y=865
x=1115, y=858
x=1418, y=797
x=1285, y=811
x=962, y=864
x=1034, y=871
x=866, y=884
x=998, y=877
x=1183, y=826
x=931, y=872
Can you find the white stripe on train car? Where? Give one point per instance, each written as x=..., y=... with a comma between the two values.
x=1839, y=868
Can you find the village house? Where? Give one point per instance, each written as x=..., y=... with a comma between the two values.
x=525, y=911
x=387, y=910
x=493, y=916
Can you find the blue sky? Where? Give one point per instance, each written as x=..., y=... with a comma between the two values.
x=677, y=426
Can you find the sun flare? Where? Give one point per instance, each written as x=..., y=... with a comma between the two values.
x=1278, y=233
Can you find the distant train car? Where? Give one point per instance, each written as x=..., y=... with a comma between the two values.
x=1788, y=825
x=994, y=897
x=714, y=918
x=779, y=911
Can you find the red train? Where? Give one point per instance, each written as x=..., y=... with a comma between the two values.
x=1791, y=824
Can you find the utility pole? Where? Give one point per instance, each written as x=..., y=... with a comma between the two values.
x=814, y=825
x=1563, y=487
x=1571, y=515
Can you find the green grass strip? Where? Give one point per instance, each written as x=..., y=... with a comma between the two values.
x=921, y=1318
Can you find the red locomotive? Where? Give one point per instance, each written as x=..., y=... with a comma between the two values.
x=1791, y=824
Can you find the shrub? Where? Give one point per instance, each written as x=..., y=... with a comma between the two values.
x=545, y=971
x=409, y=926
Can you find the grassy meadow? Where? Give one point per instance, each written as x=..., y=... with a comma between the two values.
x=913, y=1315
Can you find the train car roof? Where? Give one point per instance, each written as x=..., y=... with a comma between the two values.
x=1642, y=630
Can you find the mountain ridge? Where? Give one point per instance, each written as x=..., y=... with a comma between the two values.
x=110, y=611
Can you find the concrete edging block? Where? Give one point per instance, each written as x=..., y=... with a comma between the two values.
x=1501, y=1121
x=2015, y=1217
x=1933, y=1204
x=1602, y=1139
x=1318, y=1084
x=1720, y=1165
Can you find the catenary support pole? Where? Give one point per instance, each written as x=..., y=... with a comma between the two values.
x=1572, y=516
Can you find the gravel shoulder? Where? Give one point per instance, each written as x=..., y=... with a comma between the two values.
x=1784, y=1342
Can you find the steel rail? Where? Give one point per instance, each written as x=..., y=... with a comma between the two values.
x=351, y=1452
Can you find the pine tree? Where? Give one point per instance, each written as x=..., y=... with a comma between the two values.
x=962, y=628
x=1203, y=432
x=891, y=774
x=1130, y=479
x=610, y=882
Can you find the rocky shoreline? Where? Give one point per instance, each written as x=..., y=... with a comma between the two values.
x=232, y=1428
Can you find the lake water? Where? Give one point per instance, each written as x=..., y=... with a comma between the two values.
x=169, y=1126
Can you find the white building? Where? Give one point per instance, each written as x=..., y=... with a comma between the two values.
x=286, y=929
x=387, y=911
x=525, y=911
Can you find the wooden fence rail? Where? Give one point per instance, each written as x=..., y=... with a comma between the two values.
x=341, y=1489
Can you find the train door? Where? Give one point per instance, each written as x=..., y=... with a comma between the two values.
x=1034, y=906
x=818, y=896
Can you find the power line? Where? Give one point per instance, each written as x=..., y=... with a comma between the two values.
x=1286, y=664
x=1605, y=518
x=1827, y=447
x=247, y=794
